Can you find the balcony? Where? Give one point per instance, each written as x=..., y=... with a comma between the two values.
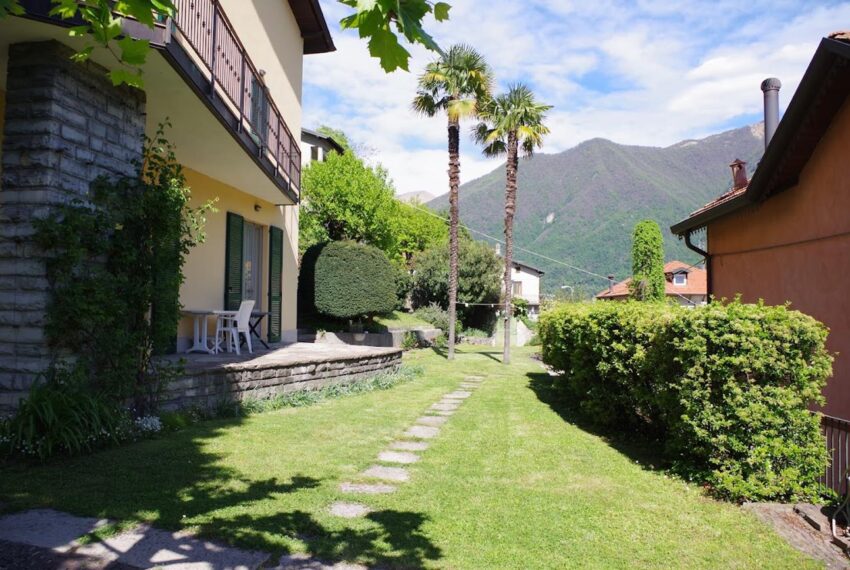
x=202, y=46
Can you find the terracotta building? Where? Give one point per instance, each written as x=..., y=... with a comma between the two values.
x=685, y=284
x=784, y=234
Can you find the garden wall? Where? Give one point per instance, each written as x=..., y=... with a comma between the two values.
x=205, y=385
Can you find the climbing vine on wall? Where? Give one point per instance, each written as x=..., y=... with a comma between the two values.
x=115, y=266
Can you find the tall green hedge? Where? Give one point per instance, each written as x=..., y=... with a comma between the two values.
x=726, y=387
x=348, y=280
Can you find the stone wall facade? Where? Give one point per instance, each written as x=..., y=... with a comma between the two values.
x=65, y=125
x=205, y=388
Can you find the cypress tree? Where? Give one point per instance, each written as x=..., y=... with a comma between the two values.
x=648, y=280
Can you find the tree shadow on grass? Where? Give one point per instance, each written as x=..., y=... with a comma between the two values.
x=637, y=446
x=391, y=539
x=177, y=481
x=492, y=355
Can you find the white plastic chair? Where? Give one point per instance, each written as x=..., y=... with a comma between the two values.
x=232, y=325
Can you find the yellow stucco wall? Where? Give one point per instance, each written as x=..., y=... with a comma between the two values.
x=204, y=269
x=272, y=37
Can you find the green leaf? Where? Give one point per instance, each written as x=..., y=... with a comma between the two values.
x=10, y=7
x=441, y=11
x=82, y=55
x=133, y=52
x=78, y=31
x=142, y=10
x=65, y=9
x=384, y=45
x=122, y=76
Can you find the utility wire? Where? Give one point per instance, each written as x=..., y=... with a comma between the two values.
x=546, y=257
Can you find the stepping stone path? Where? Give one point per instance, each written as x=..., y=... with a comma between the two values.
x=349, y=510
x=409, y=445
x=400, y=452
x=398, y=457
x=395, y=474
x=458, y=395
x=422, y=432
x=435, y=421
x=367, y=488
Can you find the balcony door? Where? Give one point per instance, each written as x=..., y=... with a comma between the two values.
x=252, y=263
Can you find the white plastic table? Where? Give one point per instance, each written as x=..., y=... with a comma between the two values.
x=200, y=341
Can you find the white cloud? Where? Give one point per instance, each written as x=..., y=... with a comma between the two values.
x=651, y=72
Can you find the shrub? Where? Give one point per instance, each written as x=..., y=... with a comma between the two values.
x=479, y=282
x=409, y=341
x=352, y=281
x=63, y=418
x=434, y=314
x=475, y=333
x=725, y=386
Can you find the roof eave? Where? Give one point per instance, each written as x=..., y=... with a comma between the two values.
x=313, y=25
x=765, y=179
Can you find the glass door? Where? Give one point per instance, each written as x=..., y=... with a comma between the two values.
x=252, y=263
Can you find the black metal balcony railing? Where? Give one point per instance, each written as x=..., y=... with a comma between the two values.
x=207, y=29
x=248, y=108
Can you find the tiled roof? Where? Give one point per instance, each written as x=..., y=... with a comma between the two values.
x=722, y=199
x=697, y=283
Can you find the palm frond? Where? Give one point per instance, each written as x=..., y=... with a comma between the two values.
x=517, y=112
x=460, y=77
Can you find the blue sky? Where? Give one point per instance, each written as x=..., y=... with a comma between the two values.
x=647, y=72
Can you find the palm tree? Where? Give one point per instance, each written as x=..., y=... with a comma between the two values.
x=454, y=84
x=509, y=122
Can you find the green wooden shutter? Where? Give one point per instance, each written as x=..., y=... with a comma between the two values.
x=233, y=262
x=275, y=282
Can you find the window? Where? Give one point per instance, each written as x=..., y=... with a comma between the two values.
x=259, y=110
x=314, y=153
x=680, y=279
x=517, y=288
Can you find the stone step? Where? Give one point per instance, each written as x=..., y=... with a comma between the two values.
x=398, y=457
x=349, y=510
x=409, y=445
x=395, y=474
x=422, y=432
x=367, y=488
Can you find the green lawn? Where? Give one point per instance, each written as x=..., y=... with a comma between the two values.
x=402, y=320
x=507, y=484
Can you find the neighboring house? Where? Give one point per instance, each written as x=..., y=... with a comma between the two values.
x=784, y=235
x=525, y=282
x=686, y=284
x=233, y=107
x=316, y=146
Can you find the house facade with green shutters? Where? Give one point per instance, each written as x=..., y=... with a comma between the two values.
x=227, y=76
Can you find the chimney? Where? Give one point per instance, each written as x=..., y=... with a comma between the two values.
x=610, y=283
x=770, y=87
x=739, y=174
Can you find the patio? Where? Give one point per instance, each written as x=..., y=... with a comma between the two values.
x=212, y=378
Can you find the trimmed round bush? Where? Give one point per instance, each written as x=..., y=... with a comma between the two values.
x=352, y=280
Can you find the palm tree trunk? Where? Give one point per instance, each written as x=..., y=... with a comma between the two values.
x=454, y=184
x=510, y=208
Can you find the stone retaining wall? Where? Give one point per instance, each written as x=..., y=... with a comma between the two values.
x=207, y=387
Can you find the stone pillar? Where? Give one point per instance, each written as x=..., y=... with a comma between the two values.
x=65, y=125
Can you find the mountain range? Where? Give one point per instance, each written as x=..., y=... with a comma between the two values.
x=579, y=206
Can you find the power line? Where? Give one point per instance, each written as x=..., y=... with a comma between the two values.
x=546, y=257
